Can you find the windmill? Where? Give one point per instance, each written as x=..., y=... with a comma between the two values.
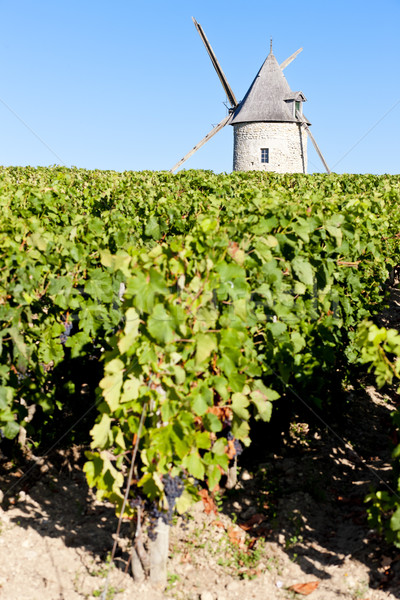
x=270, y=129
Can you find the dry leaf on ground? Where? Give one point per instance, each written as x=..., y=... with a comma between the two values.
x=304, y=588
x=209, y=504
x=234, y=536
x=254, y=520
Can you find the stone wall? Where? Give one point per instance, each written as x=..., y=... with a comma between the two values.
x=287, y=144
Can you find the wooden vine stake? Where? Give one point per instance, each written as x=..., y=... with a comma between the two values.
x=232, y=475
x=158, y=550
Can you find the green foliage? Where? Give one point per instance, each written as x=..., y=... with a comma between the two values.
x=380, y=349
x=191, y=298
x=187, y=354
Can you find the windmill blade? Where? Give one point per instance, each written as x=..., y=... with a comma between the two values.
x=228, y=90
x=203, y=141
x=290, y=59
x=304, y=122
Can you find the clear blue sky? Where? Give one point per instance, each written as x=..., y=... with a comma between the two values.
x=127, y=85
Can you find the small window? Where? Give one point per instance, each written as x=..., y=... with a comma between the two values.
x=264, y=155
x=297, y=107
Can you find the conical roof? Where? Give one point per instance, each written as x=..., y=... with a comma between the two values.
x=265, y=99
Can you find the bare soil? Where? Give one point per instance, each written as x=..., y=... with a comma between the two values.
x=298, y=518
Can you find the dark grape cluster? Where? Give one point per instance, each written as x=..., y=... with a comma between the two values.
x=154, y=514
x=66, y=333
x=173, y=488
x=21, y=376
x=236, y=444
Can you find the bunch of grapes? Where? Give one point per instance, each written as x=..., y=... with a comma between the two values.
x=173, y=488
x=154, y=514
x=66, y=333
x=21, y=376
x=237, y=445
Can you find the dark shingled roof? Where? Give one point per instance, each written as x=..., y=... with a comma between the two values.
x=265, y=99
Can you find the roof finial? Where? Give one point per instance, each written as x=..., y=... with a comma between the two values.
x=270, y=46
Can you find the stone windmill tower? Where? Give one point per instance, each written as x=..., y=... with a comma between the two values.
x=270, y=130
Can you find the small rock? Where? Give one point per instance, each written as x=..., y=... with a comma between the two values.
x=245, y=475
x=237, y=506
x=233, y=586
x=281, y=539
x=197, y=508
x=249, y=512
x=206, y=596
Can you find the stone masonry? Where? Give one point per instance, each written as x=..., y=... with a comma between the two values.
x=286, y=143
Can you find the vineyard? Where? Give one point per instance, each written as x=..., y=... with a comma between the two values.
x=173, y=324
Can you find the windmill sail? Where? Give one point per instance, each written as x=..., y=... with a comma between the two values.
x=304, y=122
x=228, y=90
x=202, y=142
x=290, y=59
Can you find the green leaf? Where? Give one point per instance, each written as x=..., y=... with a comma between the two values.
x=299, y=288
x=160, y=325
x=131, y=330
x=62, y=284
x=264, y=407
x=152, y=485
x=11, y=430
x=205, y=344
x=51, y=350
x=239, y=406
x=19, y=342
x=111, y=384
x=200, y=399
x=179, y=374
x=303, y=270
x=202, y=440
x=93, y=468
x=131, y=389
x=395, y=520
x=240, y=429
x=6, y=396
x=99, y=285
x=336, y=233
x=181, y=443
x=270, y=240
x=39, y=241
x=112, y=479
x=101, y=433
x=194, y=465
x=213, y=476
x=219, y=446
x=184, y=502
x=237, y=381
x=152, y=228
x=212, y=423
x=298, y=341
